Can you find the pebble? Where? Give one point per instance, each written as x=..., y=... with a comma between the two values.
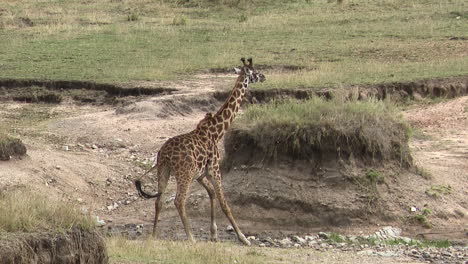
x=366, y=252
x=285, y=242
x=299, y=239
x=100, y=222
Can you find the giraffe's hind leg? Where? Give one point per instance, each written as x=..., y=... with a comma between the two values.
x=183, y=186
x=211, y=193
x=214, y=176
x=163, y=178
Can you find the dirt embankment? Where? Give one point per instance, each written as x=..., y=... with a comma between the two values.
x=398, y=91
x=336, y=185
x=111, y=89
x=77, y=246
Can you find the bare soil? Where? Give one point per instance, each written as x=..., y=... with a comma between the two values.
x=90, y=154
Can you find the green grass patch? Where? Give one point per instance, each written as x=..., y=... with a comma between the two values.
x=438, y=190
x=421, y=218
x=354, y=42
x=337, y=238
x=372, y=130
x=26, y=211
x=151, y=251
x=424, y=173
x=420, y=243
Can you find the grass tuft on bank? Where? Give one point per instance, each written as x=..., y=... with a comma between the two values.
x=25, y=211
x=370, y=130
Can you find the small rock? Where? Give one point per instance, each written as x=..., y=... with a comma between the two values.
x=262, y=245
x=65, y=148
x=94, y=146
x=285, y=242
x=79, y=200
x=170, y=199
x=296, y=245
x=324, y=235
x=58, y=167
x=413, y=209
x=312, y=243
x=299, y=240
x=366, y=252
x=100, y=222
x=387, y=254
x=417, y=96
x=309, y=238
x=229, y=228
x=251, y=237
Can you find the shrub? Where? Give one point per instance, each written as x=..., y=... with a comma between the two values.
x=10, y=147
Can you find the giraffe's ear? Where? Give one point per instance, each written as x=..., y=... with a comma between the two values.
x=237, y=70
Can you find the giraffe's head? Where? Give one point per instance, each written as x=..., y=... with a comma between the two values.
x=249, y=71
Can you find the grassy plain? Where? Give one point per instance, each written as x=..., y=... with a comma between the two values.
x=359, y=41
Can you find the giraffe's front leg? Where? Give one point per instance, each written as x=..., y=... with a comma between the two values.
x=215, y=178
x=211, y=193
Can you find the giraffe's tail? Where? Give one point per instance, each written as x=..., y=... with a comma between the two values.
x=140, y=190
x=142, y=193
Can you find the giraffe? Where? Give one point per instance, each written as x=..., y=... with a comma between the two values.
x=195, y=155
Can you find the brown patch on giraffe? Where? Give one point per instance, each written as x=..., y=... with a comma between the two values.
x=220, y=128
x=226, y=113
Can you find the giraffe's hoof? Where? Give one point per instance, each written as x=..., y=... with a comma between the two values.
x=244, y=240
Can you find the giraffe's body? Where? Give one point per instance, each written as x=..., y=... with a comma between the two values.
x=195, y=156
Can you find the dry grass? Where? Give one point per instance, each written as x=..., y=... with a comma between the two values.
x=26, y=211
x=122, y=250
x=372, y=129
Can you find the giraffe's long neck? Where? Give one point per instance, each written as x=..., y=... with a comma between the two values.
x=226, y=114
